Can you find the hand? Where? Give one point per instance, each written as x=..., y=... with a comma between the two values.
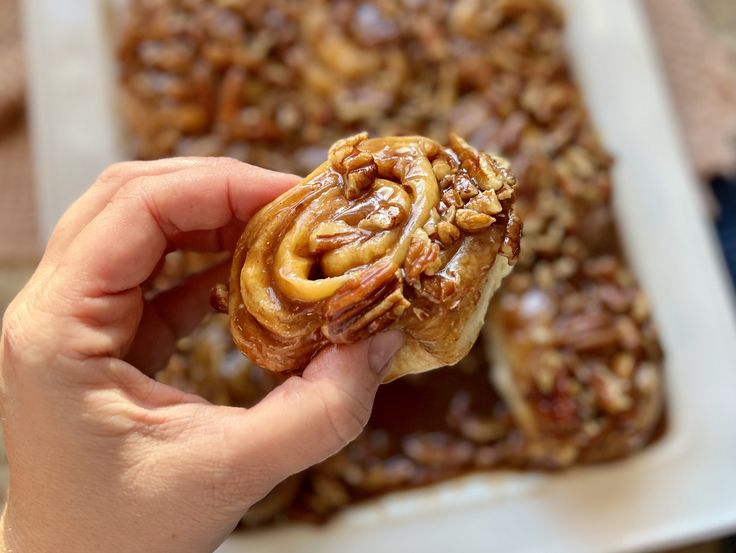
x=102, y=457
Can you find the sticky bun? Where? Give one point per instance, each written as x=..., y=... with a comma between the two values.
x=397, y=232
x=577, y=360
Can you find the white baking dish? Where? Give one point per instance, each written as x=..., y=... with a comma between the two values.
x=682, y=488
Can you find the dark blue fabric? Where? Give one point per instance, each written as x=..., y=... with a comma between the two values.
x=725, y=192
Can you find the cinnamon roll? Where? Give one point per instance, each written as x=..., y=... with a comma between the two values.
x=395, y=232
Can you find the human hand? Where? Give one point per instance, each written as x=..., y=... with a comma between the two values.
x=102, y=457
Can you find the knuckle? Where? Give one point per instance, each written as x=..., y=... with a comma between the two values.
x=143, y=190
x=133, y=188
x=346, y=413
x=14, y=339
x=117, y=173
x=34, y=334
x=225, y=160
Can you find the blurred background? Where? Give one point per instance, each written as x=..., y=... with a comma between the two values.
x=696, y=42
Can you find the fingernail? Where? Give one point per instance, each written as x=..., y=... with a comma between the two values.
x=382, y=349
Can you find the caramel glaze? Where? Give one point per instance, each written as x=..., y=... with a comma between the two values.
x=390, y=232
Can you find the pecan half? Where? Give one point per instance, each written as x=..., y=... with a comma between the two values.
x=511, y=245
x=365, y=305
x=331, y=235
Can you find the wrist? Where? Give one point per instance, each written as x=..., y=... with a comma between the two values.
x=27, y=534
x=10, y=541
x=15, y=539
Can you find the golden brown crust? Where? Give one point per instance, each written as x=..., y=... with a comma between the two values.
x=388, y=232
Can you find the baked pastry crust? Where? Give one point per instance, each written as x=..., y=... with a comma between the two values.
x=396, y=232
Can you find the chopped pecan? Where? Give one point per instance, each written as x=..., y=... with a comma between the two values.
x=491, y=176
x=550, y=364
x=464, y=186
x=448, y=213
x=436, y=449
x=647, y=379
x=447, y=232
x=384, y=208
x=472, y=221
x=601, y=267
x=219, y=298
x=564, y=267
x=329, y=493
x=629, y=334
x=430, y=227
x=446, y=181
x=612, y=391
x=360, y=179
x=590, y=338
x=485, y=202
x=616, y=298
x=490, y=173
x=344, y=148
x=438, y=288
x=505, y=194
x=624, y=364
x=357, y=168
x=365, y=305
x=544, y=275
x=640, y=308
x=441, y=169
x=387, y=217
x=423, y=257
x=482, y=430
x=451, y=197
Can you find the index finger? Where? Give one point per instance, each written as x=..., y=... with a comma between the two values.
x=120, y=247
x=94, y=200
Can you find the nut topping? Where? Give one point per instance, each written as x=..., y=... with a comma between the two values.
x=365, y=305
x=447, y=232
x=472, y=221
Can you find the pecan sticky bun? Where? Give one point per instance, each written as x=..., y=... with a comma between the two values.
x=576, y=359
x=389, y=232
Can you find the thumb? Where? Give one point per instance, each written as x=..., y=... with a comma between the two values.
x=308, y=418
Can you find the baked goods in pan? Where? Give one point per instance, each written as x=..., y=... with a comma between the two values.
x=275, y=82
x=575, y=357
x=395, y=232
